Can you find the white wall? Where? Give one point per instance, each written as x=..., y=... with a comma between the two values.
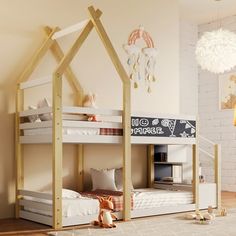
x=21, y=35
x=216, y=124
x=188, y=81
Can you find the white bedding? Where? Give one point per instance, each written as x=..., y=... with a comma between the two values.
x=65, y=131
x=151, y=198
x=143, y=199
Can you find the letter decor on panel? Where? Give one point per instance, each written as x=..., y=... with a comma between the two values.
x=141, y=58
x=161, y=127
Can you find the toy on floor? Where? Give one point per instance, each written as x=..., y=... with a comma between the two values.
x=90, y=101
x=105, y=217
x=201, y=218
x=204, y=218
x=223, y=212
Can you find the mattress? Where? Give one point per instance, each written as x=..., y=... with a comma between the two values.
x=142, y=199
x=151, y=198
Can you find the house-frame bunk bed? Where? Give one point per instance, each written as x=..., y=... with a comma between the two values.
x=130, y=124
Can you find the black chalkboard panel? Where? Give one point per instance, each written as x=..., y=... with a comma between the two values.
x=162, y=127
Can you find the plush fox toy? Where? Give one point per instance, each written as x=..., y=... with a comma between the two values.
x=105, y=217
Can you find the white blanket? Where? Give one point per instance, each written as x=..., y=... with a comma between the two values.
x=151, y=198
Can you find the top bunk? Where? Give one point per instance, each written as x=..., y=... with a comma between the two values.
x=37, y=126
x=52, y=123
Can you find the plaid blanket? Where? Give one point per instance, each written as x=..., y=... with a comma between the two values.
x=111, y=131
x=117, y=197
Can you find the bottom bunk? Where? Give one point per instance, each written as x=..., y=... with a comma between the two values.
x=83, y=208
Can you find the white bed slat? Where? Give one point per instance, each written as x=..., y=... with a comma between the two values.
x=29, y=139
x=35, y=125
x=161, y=140
x=70, y=29
x=76, y=220
x=36, y=82
x=47, y=138
x=38, y=111
x=47, y=196
x=91, y=139
x=89, y=124
x=72, y=124
x=67, y=221
x=36, y=205
x=105, y=139
x=95, y=111
x=47, y=220
x=162, y=210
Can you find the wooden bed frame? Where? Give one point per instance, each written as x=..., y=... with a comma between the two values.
x=57, y=138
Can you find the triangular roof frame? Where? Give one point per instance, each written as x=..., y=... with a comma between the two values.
x=64, y=68
x=54, y=47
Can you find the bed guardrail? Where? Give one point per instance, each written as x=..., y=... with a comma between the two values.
x=36, y=82
x=30, y=201
x=216, y=157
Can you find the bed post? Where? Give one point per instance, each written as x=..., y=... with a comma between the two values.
x=150, y=166
x=57, y=151
x=80, y=152
x=126, y=119
x=78, y=90
x=19, y=149
x=217, y=155
x=195, y=171
x=34, y=61
x=57, y=125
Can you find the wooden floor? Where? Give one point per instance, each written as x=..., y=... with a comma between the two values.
x=24, y=227
x=228, y=199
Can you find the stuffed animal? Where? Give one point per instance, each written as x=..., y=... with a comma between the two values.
x=210, y=209
x=90, y=101
x=223, y=212
x=105, y=217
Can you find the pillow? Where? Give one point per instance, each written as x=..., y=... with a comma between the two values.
x=33, y=118
x=41, y=104
x=119, y=180
x=103, y=179
x=67, y=193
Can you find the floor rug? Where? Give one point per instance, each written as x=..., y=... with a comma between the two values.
x=167, y=225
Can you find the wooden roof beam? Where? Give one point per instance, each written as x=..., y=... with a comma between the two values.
x=70, y=75
x=75, y=47
x=38, y=55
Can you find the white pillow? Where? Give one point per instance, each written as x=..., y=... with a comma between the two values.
x=33, y=118
x=41, y=104
x=67, y=193
x=103, y=179
x=119, y=179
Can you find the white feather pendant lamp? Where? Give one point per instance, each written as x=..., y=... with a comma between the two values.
x=216, y=51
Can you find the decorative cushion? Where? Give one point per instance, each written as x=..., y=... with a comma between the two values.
x=41, y=104
x=103, y=179
x=33, y=118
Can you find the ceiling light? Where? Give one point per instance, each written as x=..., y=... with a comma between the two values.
x=216, y=51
